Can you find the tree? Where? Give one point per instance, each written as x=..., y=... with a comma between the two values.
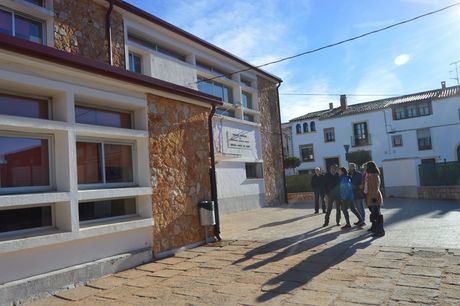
x=291, y=162
x=359, y=157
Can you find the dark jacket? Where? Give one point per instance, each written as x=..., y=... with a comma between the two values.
x=356, y=180
x=317, y=183
x=331, y=185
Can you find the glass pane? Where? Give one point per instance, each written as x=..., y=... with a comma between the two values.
x=28, y=29
x=36, y=2
x=24, y=218
x=89, y=168
x=247, y=100
x=106, y=209
x=249, y=118
x=95, y=116
x=6, y=23
x=118, y=163
x=24, y=107
x=23, y=162
x=135, y=63
x=205, y=86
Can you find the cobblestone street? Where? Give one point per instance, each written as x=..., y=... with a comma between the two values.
x=282, y=256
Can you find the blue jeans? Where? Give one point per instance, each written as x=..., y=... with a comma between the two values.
x=360, y=206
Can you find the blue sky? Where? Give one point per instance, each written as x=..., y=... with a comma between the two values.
x=410, y=58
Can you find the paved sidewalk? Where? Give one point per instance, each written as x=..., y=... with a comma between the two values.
x=282, y=256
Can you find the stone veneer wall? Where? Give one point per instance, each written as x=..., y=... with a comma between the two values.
x=179, y=163
x=80, y=28
x=271, y=141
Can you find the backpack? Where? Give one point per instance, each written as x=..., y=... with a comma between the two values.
x=346, y=189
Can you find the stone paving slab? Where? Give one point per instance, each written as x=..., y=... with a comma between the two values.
x=287, y=260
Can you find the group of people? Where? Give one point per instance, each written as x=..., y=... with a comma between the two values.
x=350, y=190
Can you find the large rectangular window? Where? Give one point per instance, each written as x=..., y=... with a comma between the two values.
x=306, y=153
x=89, y=115
x=25, y=218
x=24, y=107
x=24, y=162
x=216, y=89
x=424, y=139
x=135, y=62
x=361, y=136
x=412, y=110
x=104, y=163
x=89, y=211
x=156, y=47
x=212, y=69
x=20, y=26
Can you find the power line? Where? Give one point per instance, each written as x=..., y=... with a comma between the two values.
x=333, y=44
x=336, y=94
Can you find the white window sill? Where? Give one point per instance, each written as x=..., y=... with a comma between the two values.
x=109, y=132
x=96, y=194
x=33, y=199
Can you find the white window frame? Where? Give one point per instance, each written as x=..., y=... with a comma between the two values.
x=26, y=16
x=93, y=222
x=104, y=184
x=135, y=54
x=34, y=229
x=51, y=167
x=393, y=137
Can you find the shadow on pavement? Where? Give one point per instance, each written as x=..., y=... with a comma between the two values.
x=313, y=265
x=282, y=222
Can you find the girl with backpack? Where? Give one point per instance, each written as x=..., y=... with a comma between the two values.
x=346, y=196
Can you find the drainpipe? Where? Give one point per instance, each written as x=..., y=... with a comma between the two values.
x=108, y=26
x=212, y=174
x=281, y=136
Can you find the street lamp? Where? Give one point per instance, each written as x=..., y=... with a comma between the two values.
x=347, y=148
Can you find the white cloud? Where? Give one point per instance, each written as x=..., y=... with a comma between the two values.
x=402, y=59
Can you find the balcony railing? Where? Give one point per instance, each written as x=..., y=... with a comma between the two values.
x=365, y=140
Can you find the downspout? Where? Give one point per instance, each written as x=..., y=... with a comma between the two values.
x=282, y=147
x=212, y=174
x=108, y=26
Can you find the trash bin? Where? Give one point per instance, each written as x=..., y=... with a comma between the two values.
x=207, y=216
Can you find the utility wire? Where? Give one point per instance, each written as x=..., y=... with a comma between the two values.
x=333, y=44
x=336, y=94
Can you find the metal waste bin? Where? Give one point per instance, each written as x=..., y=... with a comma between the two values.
x=207, y=215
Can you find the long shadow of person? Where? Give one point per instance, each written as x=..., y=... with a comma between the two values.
x=321, y=262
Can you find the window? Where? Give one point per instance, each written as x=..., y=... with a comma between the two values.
x=312, y=126
x=246, y=82
x=14, y=24
x=213, y=70
x=361, y=136
x=298, y=129
x=424, y=139
x=24, y=107
x=428, y=161
x=96, y=210
x=248, y=117
x=329, y=135
x=412, y=110
x=306, y=153
x=216, y=89
x=397, y=140
x=89, y=115
x=305, y=127
x=225, y=112
x=25, y=218
x=36, y=2
x=156, y=47
x=247, y=100
x=24, y=162
x=104, y=163
x=135, y=63
x=254, y=170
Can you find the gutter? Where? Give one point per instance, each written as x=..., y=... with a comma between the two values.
x=282, y=148
x=82, y=63
x=108, y=26
x=212, y=174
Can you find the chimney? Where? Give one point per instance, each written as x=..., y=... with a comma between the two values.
x=331, y=105
x=343, y=102
x=443, y=84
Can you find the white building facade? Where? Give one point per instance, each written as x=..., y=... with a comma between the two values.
x=420, y=128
